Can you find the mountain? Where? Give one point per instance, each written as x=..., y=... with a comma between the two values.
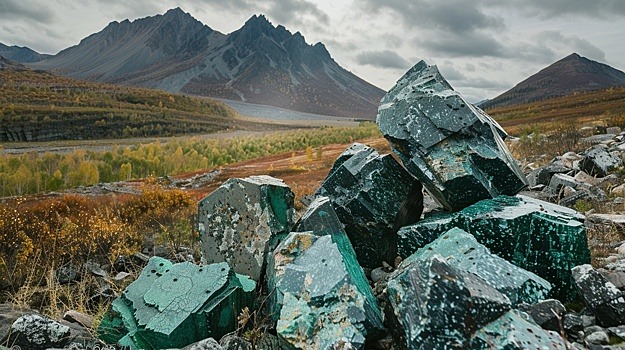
x=10, y=65
x=258, y=63
x=571, y=74
x=21, y=54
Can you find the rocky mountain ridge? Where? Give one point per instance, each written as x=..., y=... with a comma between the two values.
x=259, y=63
x=21, y=54
x=571, y=74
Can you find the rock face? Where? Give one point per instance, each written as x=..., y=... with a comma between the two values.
x=601, y=297
x=463, y=252
x=452, y=147
x=173, y=305
x=598, y=161
x=38, y=332
x=442, y=301
x=243, y=219
x=370, y=193
x=544, y=238
x=323, y=304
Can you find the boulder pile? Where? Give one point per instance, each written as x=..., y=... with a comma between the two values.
x=369, y=266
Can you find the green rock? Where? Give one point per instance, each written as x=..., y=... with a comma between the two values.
x=323, y=305
x=455, y=149
x=463, y=252
x=515, y=330
x=369, y=193
x=438, y=306
x=543, y=238
x=173, y=305
x=243, y=220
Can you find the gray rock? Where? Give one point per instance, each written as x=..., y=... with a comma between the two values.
x=602, y=298
x=613, y=130
x=542, y=175
x=618, y=331
x=573, y=324
x=373, y=195
x=36, y=332
x=244, y=219
x=452, y=147
x=617, y=220
x=79, y=318
x=600, y=338
x=546, y=313
x=596, y=139
x=205, y=344
x=232, y=341
x=67, y=274
x=598, y=162
x=588, y=320
x=617, y=278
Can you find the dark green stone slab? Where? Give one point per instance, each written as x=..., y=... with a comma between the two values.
x=243, y=220
x=455, y=149
x=368, y=191
x=462, y=251
x=543, y=238
x=439, y=306
x=322, y=307
x=173, y=305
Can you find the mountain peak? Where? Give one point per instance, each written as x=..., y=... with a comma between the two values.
x=573, y=73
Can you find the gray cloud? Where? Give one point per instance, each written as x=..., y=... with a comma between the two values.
x=382, y=59
x=286, y=11
x=557, y=8
x=571, y=43
x=455, y=16
x=11, y=9
x=469, y=45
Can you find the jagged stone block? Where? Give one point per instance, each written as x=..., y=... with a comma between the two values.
x=243, y=220
x=543, y=238
x=602, y=298
x=324, y=305
x=37, y=332
x=373, y=195
x=543, y=175
x=173, y=305
x=598, y=162
x=546, y=313
x=515, y=330
x=462, y=251
x=439, y=306
x=455, y=149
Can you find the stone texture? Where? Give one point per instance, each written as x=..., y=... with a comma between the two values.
x=243, y=220
x=325, y=303
x=439, y=306
x=540, y=237
x=542, y=175
x=601, y=297
x=370, y=194
x=173, y=305
x=598, y=162
x=452, y=147
x=515, y=331
x=546, y=313
x=37, y=332
x=463, y=252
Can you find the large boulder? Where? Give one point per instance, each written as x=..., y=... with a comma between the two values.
x=452, y=147
x=601, y=297
x=598, y=161
x=326, y=302
x=243, y=220
x=37, y=332
x=173, y=305
x=462, y=251
x=373, y=195
x=544, y=238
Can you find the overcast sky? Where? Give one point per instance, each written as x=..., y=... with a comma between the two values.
x=483, y=47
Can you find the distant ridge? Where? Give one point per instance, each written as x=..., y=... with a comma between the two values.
x=21, y=54
x=571, y=74
x=10, y=65
x=258, y=63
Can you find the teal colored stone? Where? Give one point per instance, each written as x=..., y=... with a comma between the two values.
x=243, y=220
x=368, y=191
x=515, y=330
x=323, y=306
x=462, y=251
x=455, y=149
x=439, y=306
x=543, y=238
x=173, y=305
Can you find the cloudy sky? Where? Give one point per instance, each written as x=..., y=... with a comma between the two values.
x=483, y=47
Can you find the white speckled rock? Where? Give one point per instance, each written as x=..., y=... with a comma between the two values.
x=601, y=297
x=38, y=332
